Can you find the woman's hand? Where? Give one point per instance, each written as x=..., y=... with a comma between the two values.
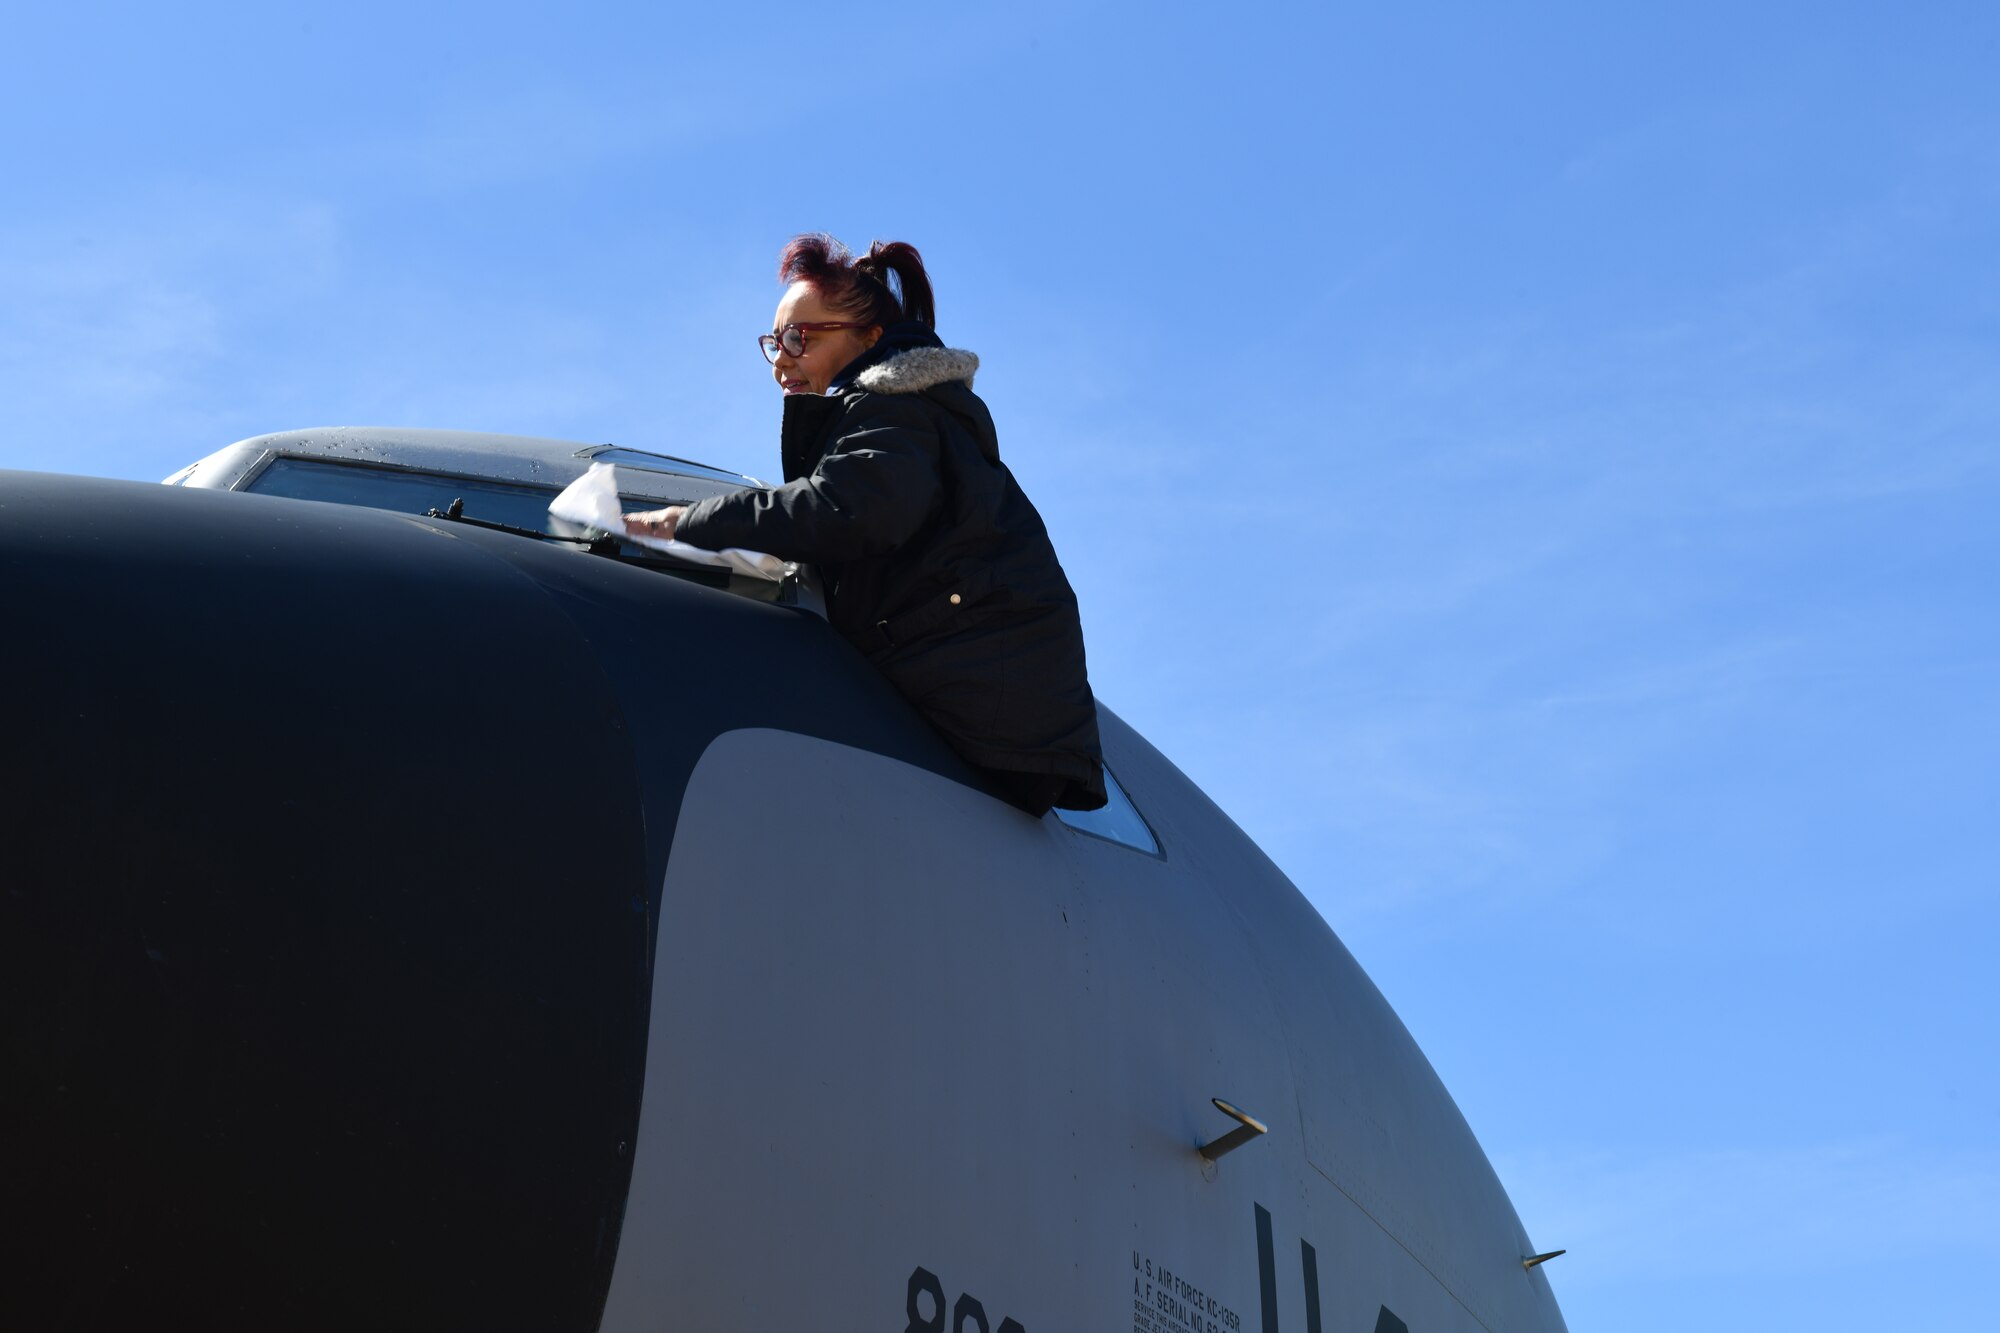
x=658, y=523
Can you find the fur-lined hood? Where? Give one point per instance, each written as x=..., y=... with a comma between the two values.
x=917, y=369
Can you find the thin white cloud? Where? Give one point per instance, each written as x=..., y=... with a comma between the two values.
x=104, y=337
x=114, y=329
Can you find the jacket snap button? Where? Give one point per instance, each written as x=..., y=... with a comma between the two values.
x=954, y=599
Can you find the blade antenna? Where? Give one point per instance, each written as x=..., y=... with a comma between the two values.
x=1247, y=1128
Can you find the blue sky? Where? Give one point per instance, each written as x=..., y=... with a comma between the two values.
x=1536, y=469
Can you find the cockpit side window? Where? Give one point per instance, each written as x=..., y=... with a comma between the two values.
x=1119, y=821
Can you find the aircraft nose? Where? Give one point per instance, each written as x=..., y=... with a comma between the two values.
x=308, y=965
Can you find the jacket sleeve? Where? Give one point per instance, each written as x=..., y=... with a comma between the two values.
x=872, y=490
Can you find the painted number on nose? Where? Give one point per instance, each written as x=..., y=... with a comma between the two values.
x=967, y=1314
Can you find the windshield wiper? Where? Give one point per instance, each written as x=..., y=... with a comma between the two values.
x=604, y=544
x=455, y=512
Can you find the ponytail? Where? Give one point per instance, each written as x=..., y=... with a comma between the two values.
x=912, y=286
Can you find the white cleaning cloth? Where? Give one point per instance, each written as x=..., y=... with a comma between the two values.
x=591, y=501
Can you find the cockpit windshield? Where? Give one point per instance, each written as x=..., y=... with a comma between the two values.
x=407, y=492
x=518, y=506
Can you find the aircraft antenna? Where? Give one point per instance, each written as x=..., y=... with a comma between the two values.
x=1247, y=1129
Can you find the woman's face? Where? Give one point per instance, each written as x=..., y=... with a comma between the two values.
x=827, y=352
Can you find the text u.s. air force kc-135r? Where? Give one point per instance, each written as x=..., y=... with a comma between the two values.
x=415, y=923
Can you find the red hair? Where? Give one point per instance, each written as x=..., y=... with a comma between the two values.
x=883, y=286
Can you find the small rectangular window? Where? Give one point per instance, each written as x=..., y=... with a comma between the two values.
x=1119, y=821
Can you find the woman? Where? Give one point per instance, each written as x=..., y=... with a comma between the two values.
x=935, y=564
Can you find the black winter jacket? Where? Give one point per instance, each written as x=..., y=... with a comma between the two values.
x=935, y=564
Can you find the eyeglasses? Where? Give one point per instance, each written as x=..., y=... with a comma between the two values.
x=793, y=338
